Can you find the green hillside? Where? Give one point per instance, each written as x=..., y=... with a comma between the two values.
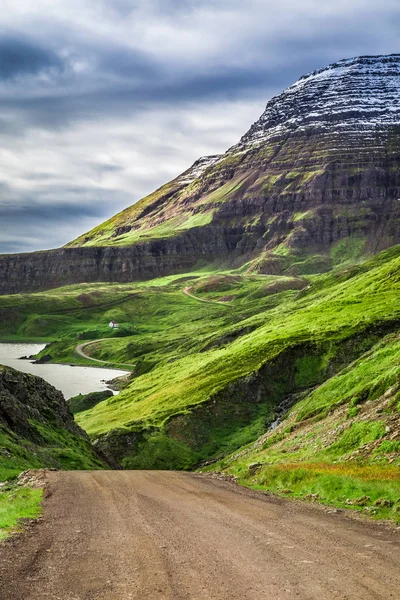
x=339, y=444
x=207, y=376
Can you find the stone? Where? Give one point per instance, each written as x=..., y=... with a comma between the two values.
x=383, y=503
x=254, y=467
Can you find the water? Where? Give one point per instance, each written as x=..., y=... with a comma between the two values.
x=70, y=380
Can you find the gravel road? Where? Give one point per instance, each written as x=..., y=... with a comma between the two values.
x=148, y=535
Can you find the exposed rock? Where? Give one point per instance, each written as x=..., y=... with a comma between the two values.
x=254, y=467
x=35, y=417
x=43, y=359
x=384, y=503
x=25, y=398
x=85, y=401
x=44, y=270
x=362, y=501
x=312, y=497
x=34, y=478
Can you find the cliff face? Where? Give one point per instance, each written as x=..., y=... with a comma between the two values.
x=37, y=428
x=318, y=173
x=43, y=270
x=24, y=398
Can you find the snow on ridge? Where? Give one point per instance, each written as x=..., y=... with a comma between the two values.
x=361, y=61
x=356, y=93
x=198, y=168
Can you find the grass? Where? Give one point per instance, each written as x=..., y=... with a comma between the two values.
x=360, y=381
x=185, y=375
x=56, y=447
x=207, y=378
x=371, y=490
x=17, y=504
x=325, y=451
x=198, y=349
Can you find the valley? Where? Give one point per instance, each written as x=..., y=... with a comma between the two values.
x=210, y=370
x=250, y=308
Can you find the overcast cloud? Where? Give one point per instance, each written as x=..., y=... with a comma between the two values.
x=102, y=101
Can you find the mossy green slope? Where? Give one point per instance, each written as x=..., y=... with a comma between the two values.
x=207, y=376
x=340, y=444
x=347, y=305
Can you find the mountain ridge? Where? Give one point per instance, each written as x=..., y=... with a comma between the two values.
x=315, y=177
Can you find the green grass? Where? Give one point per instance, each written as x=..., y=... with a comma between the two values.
x=348, y=250
x=17, y=504
x=275, y=336
x=325, y=450
x=360, y=381
x=186, y=376
x=370, y=490
x=44, y=445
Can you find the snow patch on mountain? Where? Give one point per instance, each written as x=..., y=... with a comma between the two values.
x=198, y=168
x=359, y=94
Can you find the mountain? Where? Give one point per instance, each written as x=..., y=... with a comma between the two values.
x=314, y=182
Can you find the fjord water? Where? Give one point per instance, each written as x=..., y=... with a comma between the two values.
x=70, y=380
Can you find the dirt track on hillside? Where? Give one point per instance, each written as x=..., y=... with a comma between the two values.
x=80, y=349
x=121, y=535
x=187, y=291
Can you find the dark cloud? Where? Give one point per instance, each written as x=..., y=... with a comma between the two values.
x=21, y=56
x=102, y=102
x=28, y=225
x=127, y=63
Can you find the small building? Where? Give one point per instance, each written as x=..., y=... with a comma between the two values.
x=113, y=325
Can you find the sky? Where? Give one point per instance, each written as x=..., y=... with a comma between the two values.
x=103, y=101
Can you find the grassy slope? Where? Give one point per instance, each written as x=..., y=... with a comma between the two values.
x=198, y=362
x=275, y=336
x=53, y=447
x=56, y=448
x=164, y=213
x=183, y=352
x=17, y=504
x=340, y=444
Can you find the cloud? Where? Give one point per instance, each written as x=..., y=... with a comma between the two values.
x=102, y=102
x=20, y=56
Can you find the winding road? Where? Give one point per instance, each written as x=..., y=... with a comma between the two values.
x=148, y=535
x=187, y=292
x=80, y=350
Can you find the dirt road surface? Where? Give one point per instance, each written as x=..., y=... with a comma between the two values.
x=80, y=349
x=187, y=292
x=121, y=535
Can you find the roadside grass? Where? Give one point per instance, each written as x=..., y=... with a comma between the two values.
x=322, y=451
x=7, y=474
x=372, y=490
x=47, y=446
x=16, y=504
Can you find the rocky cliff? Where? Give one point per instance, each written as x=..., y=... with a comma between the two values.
x=37, y=428
x=314, y=181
